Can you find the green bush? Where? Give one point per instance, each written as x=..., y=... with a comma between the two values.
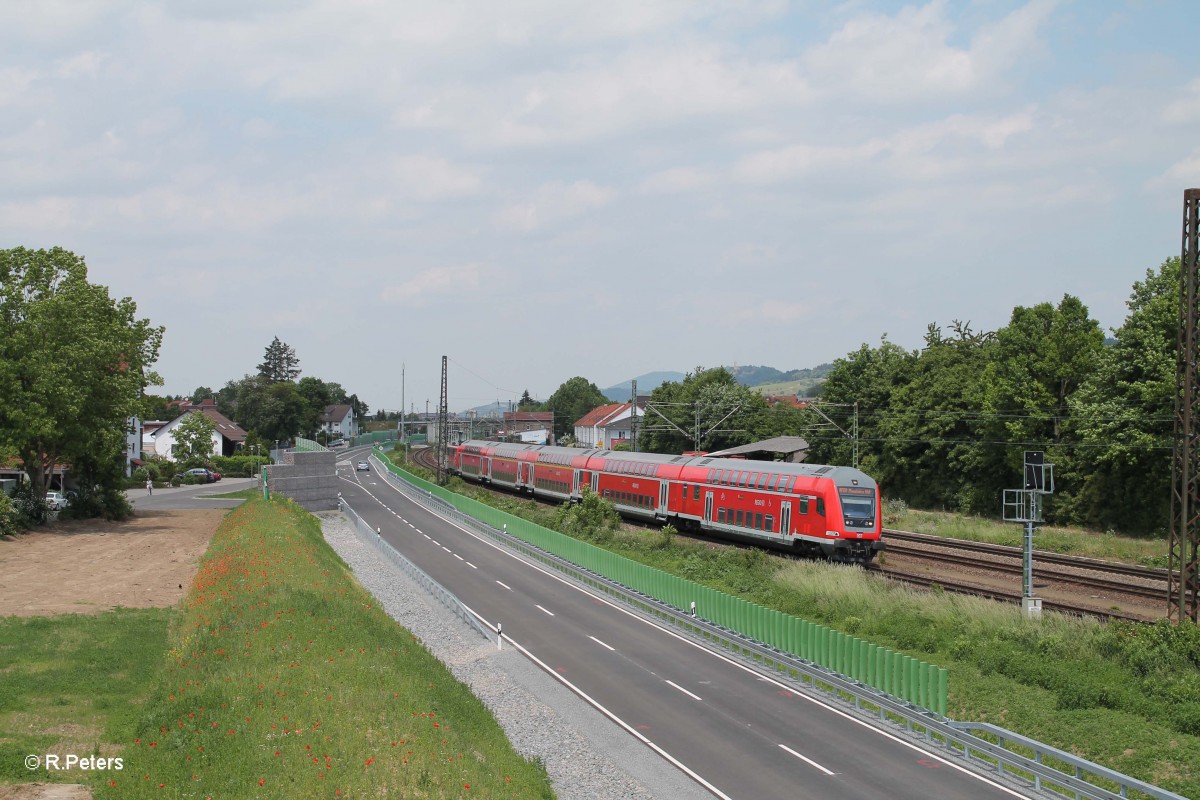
x=31, y=510
x=9, y=519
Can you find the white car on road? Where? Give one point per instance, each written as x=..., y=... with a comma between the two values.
x=364, y=466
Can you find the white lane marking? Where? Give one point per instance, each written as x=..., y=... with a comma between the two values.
x=596, y=705
x=447, y=549
x=551, y=613
x=602, y=644
x=805, y=759
x=456, y=555
x=418, y=530
x=506, y=586
x=685, y=691
x=426, y=535
x=472, y=566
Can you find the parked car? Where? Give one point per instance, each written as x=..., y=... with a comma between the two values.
x=337, y=443
x=364, y=466
x=56, y=500
x=200, y=474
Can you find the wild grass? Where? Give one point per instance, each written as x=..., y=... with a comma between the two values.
x=74, y=684
x=1076, y=541
x=285, y=679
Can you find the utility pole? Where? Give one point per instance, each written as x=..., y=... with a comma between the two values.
x=1183, y=551
x=443, y=428
x=633, y=415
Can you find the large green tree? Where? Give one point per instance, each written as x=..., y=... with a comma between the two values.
x=280, y=363
x=1123, y=415
x=707, y=410
x=571, y=402
x=73, y=364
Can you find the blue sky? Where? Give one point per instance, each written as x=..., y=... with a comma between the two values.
x=544, y=189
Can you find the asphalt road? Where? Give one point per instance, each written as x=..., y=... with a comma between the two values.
x=739, y=733
x=191, y=497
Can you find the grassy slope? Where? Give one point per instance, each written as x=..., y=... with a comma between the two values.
x=279, y=678
x=285, y=679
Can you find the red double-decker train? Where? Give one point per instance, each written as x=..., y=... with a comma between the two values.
x=809, y=508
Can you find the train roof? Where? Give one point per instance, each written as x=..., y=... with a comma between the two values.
x=840, y=475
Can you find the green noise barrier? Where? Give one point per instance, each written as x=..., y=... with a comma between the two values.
x=901, y=676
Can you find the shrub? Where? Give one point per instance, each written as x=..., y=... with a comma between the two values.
x=9, y=519
x=31, y=510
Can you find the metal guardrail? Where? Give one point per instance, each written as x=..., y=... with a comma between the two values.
x=1045, y=769
x=444, y=595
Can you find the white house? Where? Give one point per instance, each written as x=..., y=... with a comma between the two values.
x=338, y=422
x=227, y=435
x=602, y=426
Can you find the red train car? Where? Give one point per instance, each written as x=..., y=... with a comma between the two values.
x=812, y=508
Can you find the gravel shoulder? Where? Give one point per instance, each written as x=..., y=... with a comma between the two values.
x=586, y=755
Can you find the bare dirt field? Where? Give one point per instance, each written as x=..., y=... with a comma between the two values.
x=91, y=566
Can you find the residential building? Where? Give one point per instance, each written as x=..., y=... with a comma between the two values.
x=339, y=422
x=533, y=427
x=602, y=426
x=227, y=435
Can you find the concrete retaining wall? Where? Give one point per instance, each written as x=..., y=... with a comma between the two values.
x=310, y=479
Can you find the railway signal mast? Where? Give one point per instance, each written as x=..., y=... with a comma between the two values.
x=1183, y=555
x=1025, y=506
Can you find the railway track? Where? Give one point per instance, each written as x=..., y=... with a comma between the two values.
x=1112, y=576
x=1089, y=573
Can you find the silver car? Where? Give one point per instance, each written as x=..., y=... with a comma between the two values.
x=56, y=500
x=364, y=466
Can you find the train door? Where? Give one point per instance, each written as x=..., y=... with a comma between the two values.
x=575, y=482
x=708, y=504
x=662, y=496
x=487, y=468
x=596, y=482
x=785, y=518
x=525, y=470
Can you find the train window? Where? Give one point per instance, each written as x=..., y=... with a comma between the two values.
x=720, y=514
x=725, y=477
x=740, y=517
x=695, y=492
x=771, y=483
x=753, y=480
x=758, y=521
x=762, y=480
x=770, y=522
x=741, y=480
x=821, y=506
x=803, y=505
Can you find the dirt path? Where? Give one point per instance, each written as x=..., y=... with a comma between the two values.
x=92, y=566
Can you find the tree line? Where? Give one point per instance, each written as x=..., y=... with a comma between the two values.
x=946, y=426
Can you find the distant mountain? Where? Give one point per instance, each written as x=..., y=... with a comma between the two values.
x=758, y=376
x=768, y=380
x=645, y=384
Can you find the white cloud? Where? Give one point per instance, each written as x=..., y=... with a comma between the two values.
x=439, y=281
x=1187, y=108
x=676, y=179
x=551, y=203
x=431, y=178
x=909, y=56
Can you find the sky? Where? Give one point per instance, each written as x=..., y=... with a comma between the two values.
x=543, y=189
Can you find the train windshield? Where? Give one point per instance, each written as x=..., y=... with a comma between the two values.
x=858, y=506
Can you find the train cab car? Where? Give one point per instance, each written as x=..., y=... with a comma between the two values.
x=810, y=508
x=560, y=473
